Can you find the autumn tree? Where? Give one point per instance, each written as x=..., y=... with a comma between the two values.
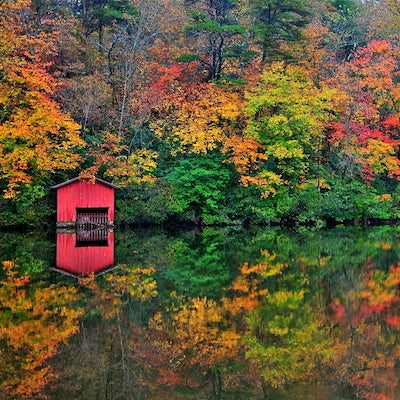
x=202, y=120
x=366, y=139
x=168, y=85
x=120, y=36
x=288, y=116
x=36, y=137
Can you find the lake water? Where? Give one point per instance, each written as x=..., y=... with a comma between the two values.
x=221, y=313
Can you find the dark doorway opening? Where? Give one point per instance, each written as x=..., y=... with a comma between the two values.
x=92, y=227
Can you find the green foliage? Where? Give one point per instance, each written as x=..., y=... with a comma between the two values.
x=355, y=200
x=240, y=52
x=187, y=58
x=346, y=7
x=201, y=185
x=348, y=33
x=199, y=269
x=32, y=207
x=215, y=27
x=217, y=24
x=146, y=203
x=32, y=251
x=204, y=264
x=345, y=200
x=107, y=12
x=277, y=22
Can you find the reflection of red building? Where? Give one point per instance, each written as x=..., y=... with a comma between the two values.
x=81, y=199
x=81, y=253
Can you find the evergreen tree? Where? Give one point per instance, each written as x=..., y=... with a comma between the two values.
x=276, y=23
x=215, y=22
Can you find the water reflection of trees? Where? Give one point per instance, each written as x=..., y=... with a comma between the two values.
x=34, y=319
x=316, y=307
x=367, y=321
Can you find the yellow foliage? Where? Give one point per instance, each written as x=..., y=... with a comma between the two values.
x=201, y=333
x=138, y=282
x=138, y=167
x=207, y=120
x=124, y=169
x=287, y=115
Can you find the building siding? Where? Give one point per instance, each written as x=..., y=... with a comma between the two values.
x=83, y=260
x=83, y=194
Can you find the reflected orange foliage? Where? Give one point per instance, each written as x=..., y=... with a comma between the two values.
x=246, y=290
x=34, y=321
x=369, y=320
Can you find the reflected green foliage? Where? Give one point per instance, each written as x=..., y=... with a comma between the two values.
x=203, y=265
x=191, y=264
x=32, y=251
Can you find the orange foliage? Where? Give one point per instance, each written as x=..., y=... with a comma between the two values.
x=120, y=165
x=36, y=138
x=367, y=136
x=313, y=53
x=246, y=289
x=246, y=155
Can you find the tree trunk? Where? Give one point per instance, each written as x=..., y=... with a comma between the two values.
x=216, y=385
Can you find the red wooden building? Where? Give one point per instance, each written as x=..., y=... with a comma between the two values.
x=82, y=201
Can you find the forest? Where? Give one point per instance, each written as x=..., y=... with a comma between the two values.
x=211, y=112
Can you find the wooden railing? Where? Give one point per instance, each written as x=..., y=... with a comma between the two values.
x=91, y=221
x=92, y=235
x=91, y=227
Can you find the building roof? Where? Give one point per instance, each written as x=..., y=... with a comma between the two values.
x=97, y=180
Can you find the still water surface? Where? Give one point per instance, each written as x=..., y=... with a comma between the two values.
x=218, y=314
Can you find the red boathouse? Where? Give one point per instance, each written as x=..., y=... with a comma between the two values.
x=82, y=200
